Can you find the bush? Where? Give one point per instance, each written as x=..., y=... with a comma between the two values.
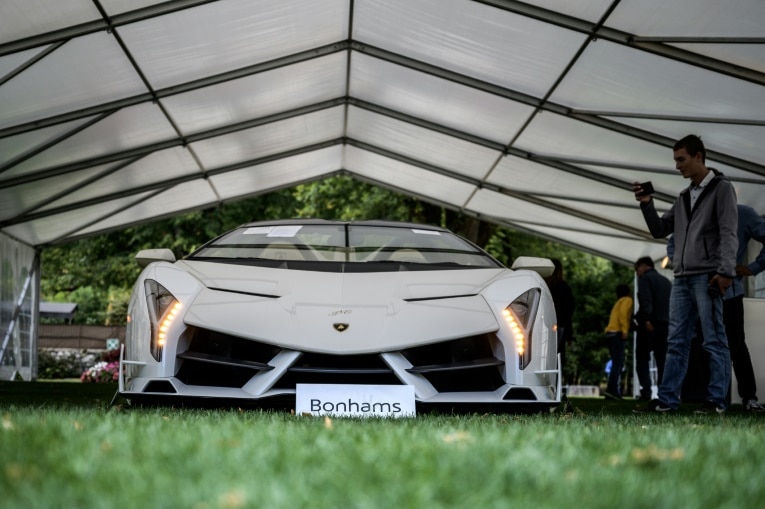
x=102, y=372
x=105, y=371
x=58, y=364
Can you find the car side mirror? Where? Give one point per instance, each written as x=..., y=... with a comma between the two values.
x=146, y=256
x=543, y=266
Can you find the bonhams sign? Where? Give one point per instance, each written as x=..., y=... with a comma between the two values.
x=355, y=400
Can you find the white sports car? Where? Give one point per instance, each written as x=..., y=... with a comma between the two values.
x=272, y=307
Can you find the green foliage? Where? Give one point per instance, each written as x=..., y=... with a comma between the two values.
x=346, y=199
x=55, y=364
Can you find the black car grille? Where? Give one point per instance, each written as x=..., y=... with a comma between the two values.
x=313, y=368
x=461, y=365
x=221, y=360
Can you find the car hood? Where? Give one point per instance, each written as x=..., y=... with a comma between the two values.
x=345, y=313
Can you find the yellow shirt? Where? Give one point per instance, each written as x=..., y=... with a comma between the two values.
x=621, y=317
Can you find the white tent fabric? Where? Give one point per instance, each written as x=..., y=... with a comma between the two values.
x=535, y=115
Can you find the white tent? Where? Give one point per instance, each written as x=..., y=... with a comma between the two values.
x=535, y=115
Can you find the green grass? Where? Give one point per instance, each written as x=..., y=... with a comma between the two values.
x=63, y=446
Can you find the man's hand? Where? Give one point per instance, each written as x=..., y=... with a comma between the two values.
x=648, y=326
x=743, y=270
x=722, y=282
x=637, y=188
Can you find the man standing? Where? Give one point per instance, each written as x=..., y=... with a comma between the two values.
x=750, y=226
x=704, y=219
x=652, y=319
x=563, y=300
x=616, y=334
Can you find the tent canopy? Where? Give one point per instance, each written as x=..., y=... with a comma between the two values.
x=535, y=115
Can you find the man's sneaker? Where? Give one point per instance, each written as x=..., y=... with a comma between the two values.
x=654, y=407
x=611, y=395
x=709, y=408
x=753, y=405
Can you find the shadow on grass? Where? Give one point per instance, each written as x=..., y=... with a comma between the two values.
x=73, y=393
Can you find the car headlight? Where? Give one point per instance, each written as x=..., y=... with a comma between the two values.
x=163, y=309
x=519, y=318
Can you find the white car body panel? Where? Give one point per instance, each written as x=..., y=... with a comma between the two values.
x=377, y=321
x=395, y=317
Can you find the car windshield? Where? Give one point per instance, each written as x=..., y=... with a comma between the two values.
x=356, y=247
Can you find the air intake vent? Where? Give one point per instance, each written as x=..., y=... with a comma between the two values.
x=520, y=393
x=221, y=360
x=461, y=365
x=160, y=386
x=313, y=368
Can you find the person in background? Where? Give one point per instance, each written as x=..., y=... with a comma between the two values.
x=652, y=319
x=705, y=219
x=617, y=330
x=563, y=299
x=750, y=226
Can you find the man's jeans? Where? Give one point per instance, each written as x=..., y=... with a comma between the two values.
x=616, y=349
x=689, y=300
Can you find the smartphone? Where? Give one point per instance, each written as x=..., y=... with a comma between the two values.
x=647, y=189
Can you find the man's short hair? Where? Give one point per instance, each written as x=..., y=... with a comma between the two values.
x=622, y=290
x=693, y=145
x=646, y=260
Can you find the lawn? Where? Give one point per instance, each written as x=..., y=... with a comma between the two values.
x=63, y=446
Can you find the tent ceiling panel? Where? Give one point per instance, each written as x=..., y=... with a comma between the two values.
x=32, y=17
x=535, y=114
x=510, y=208
x=590, y=10
x=151, y=171
x=607, y=246
x=433, y=99
x=690, y=18
x=614, y=78
x=31, y=196
x=750, y=56
x=743, y=140
x=113, y=7
x=181, y=198
x=667, y=183
x=419, y=143
x=85, y=71
x=626, y=213
x=126, y=129
x=10, y=63
x=218, y=37
x=271, y=175
x=443, y=33
x=51, y=228
x=270, y=139
x=14, y=148
x=260, y=95
x=403, y=176
x=526, y=176
x=567, y=139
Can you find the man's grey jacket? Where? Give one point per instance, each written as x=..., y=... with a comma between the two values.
x=706, y=237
